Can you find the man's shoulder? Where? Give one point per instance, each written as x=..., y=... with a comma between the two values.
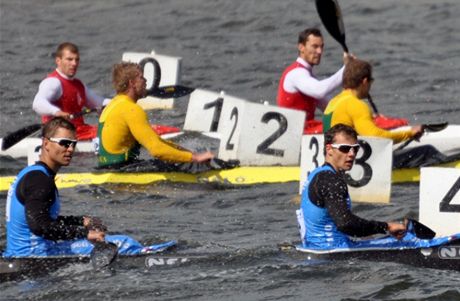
x=124, y=106
x=51, y=82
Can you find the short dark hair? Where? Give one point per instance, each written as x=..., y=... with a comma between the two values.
x=51, y=126
x=329, y=135
x=354, y=73
x=66, y=45
x=304, y=34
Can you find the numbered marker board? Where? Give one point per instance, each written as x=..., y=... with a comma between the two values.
x=370, y=178
x=257, y=134
x=169, y=74
x=440, y=199
x=203, y=111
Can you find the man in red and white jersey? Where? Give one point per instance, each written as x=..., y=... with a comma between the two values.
x=299, y=88
x=62, y=94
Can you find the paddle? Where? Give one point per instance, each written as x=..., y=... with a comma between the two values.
x=103, y=254
x=430, y=127
x=171, y=91
x=13, y=138
x=331, y=16
x=420, y=230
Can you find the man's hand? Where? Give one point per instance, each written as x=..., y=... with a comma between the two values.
x=396, y=230
x=63, y=114
x=94, y=223
x=417, y=131
x=96, y=236
x=201, y=157
x=347, y=57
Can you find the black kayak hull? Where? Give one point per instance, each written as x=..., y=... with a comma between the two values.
x=21, y=268
x=444, y=257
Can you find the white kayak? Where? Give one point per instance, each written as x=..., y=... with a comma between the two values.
x=447, y=142
x=28, y=146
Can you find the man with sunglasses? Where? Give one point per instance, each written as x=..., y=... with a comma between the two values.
x=350, y=109
x=325, y=217
x=34, y=227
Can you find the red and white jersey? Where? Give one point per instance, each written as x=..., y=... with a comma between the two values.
x=57, y=92
x=299, y=89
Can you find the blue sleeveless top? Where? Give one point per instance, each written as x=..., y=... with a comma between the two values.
x=20, y=241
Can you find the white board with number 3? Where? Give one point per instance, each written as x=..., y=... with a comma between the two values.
x=370, y=178
x=439, y=206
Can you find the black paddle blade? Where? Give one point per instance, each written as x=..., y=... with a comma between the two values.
x=103, y=254
x=331, y=16
x=219, y=164
x=435, y=127
x=420, y=230
x=171, y=91
x=13, y=138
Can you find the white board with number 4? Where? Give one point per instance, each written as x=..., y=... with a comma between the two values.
x=439, y=206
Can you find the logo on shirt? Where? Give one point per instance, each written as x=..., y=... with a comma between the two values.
x=79, y=99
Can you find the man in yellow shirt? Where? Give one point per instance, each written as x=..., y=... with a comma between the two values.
x=348, y=107
x=124, y=126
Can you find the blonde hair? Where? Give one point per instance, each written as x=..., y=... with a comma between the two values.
x=121, y=75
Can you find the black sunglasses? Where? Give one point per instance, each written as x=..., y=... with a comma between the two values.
x=64, y=142
x=345, y=148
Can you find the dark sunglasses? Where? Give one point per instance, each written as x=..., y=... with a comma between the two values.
x=345, y=148
x=64, y=142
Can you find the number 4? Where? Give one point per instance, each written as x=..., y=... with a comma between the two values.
x=445, y=205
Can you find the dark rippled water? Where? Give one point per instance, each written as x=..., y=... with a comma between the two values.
x=240, y=47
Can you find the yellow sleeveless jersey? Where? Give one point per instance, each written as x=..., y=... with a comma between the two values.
x=125, y=124
x=347, y=109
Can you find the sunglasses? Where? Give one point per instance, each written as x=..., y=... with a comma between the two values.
x=64, y=142
x=345, y=148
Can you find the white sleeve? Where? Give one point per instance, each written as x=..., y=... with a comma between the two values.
x=94, y=101
x=301, y=80
x=49, y=92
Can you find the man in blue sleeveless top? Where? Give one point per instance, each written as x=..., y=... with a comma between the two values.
x=33, y=224
x=325, y=217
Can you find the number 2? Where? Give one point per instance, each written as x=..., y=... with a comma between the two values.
x=230, y=146
x=263, y=148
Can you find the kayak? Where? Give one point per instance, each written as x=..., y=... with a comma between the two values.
x=421, y=257
x=23, y=147
x=238, y=176
x=437, y=253
x=13, y=268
